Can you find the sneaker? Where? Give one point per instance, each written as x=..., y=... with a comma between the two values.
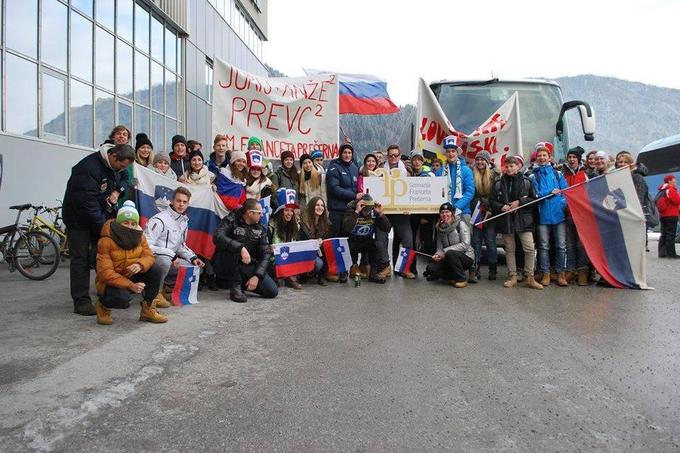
x=85, y=309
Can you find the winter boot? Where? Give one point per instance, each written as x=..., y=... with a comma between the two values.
x=545, y=279
x=334, y=278
x=462, y=284
x=321, y=280
x=85, y=309
x=570, y=276
x=532, y=283
x=511, y=282
x=474, y=276
x=583, y=277
x=353, y=271
x=236, y=294
x=103, y=314
x=160, y=301
x=150, y=314
x=376, y=278
x=364, y=271
x=292, y=282
x=493, y=271
x=386, y=272
x=553, y=276
x=212, y=282
x=562, y=280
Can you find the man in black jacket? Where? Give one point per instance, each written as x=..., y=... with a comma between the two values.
x=91, y=196
x=242, y=253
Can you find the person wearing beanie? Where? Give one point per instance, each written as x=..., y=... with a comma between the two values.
x=230, y=181
x=255, y=143
x=577, y=259
x=286, y=176
x=422, y=225
x=198, y=173
x=601, y=165
x=460, y=180
x=454, y=254
x=317, y=157
x=510, y=192
x=484, y=177
x=312, y=183
x=361, y=220
x=551, y=229
x=125, y=265
x=258, y=185
x=179, y=158
x=143, y=150
x=161, y=165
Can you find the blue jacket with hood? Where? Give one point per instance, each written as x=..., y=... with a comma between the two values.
x=450, y=171
x=546, y=178
x=341, y=184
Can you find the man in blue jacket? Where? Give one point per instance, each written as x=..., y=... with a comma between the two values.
x=547, y=180
x=341, y=186
x=92, y=192
x=461, y=183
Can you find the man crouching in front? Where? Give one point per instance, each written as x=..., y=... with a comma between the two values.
x=242, y=253
x=125, y=264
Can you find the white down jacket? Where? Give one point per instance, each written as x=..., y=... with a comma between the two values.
x=166, y=233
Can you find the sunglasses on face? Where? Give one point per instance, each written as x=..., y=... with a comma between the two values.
x=393, y=155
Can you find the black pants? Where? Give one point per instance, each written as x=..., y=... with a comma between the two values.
x=335, y=218
x=426, y=231
x=233, y=273
x=120, y=297
x=374, y=249
x=82, y=246
x=452, y=267
x=667, y=239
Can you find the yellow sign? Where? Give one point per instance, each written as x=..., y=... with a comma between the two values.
x=400, y=194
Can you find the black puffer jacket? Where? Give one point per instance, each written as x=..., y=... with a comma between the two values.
x=505, y=191
x=641, y=187
x=233, y=233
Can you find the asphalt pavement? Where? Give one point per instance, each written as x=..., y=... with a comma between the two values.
x=405, y=366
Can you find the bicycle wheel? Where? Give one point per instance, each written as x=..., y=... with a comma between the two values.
x=62, y=241
x=36, y=255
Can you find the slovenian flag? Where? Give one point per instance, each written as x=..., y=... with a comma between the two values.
x=405, y=259
x=265, y=204
x=154, y=193
x=231, y=191
x=186, y=286
x=607, y=211
x=478, y=215
x=338, y=258
x=361, y=94
x=294, y=258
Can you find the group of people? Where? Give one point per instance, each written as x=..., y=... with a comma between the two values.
x=318, y=202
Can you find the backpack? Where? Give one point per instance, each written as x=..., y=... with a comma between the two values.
x=652, y=216
x=661, y=200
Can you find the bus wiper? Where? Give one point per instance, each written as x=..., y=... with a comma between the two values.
x=485, y=82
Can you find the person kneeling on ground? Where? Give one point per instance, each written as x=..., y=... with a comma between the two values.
x=166, y=233
x=454, y=255
x=361, y=219
x=242, y=253
x=125, y=264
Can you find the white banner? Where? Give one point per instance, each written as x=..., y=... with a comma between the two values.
x=289, y=114
x=399, y=193
x=500, y=134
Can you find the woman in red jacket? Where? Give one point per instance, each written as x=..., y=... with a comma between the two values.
x=668, y=204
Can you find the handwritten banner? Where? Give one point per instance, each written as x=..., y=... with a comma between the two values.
x=297, y=114
x=401, y=193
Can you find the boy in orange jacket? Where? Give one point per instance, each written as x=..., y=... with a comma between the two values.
x=125, y=264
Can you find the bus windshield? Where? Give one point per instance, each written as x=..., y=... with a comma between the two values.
x=468, y=106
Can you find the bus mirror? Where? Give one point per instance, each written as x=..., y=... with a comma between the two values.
x=587, y=119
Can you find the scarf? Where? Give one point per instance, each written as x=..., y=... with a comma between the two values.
x=459, y=181
x=169, y=173
x=201, y=176
x=124, y=237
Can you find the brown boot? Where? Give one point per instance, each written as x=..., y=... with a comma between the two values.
x=332, y=278
x=511, y=282
x=353, y=271
x=160, y=301
x=583, y=277
x=570, y=276
x=462, y=284
x=553, y=276
x=545, y=279
x=150, y=314
x=103, y=314
x=364, y=271
x=562, y=280
x=386, y=272
x=533, y=284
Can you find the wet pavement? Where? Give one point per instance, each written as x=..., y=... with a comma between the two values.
x=406, y=366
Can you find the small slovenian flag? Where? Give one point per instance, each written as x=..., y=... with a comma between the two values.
x=338, y=258
x=478, y=215
x=294, y=258
x=265, y=204
x=406, y=257
x=186, y=286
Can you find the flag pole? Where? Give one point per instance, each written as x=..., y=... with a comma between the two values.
x=550, y=195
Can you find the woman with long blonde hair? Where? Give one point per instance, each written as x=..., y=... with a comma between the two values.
x=484, y=177
x=312, y=182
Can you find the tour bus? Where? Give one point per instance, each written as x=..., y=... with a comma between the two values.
x=467, y=104
x=661, y=157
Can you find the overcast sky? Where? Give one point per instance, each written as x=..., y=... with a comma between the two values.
x=401, y=41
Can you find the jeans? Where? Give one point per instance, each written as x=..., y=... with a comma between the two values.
x=81, y=246
x=235, y=273
x=488, y=235
x=401, y=225
x=667, y=239
x=577, y=259
x=559, y=233
x=120, y=297
x=453, y=266
x=527, y=240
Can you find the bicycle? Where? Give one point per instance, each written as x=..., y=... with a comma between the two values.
x=33, y=253
x=53, y=229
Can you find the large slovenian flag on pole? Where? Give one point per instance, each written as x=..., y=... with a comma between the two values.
x=338, y=258
x=294, y=258
x=361, y=94
x=609, y=219
x=154, y=192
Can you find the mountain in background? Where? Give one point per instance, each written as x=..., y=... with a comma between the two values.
x=628, y=115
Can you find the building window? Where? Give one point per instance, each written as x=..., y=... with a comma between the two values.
x=106, y=13
x=170, y=50
x=124, y=74
x=104, y=69
x=142, y=120
x=124, y=30
x=22, y=26
x=142, y=78
x=141, y=28
x=125, y=114
x=53, y=41
x=81, y=47
x=85, y=6
x=157, y=88
x=103, y=116
x=156, y=39
x=21, y=96
x=54, y=105
x=170, y=94
x=80, y=114
x=208, y=80
x=157, y=130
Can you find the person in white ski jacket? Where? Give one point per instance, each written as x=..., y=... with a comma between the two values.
x=166, y=234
